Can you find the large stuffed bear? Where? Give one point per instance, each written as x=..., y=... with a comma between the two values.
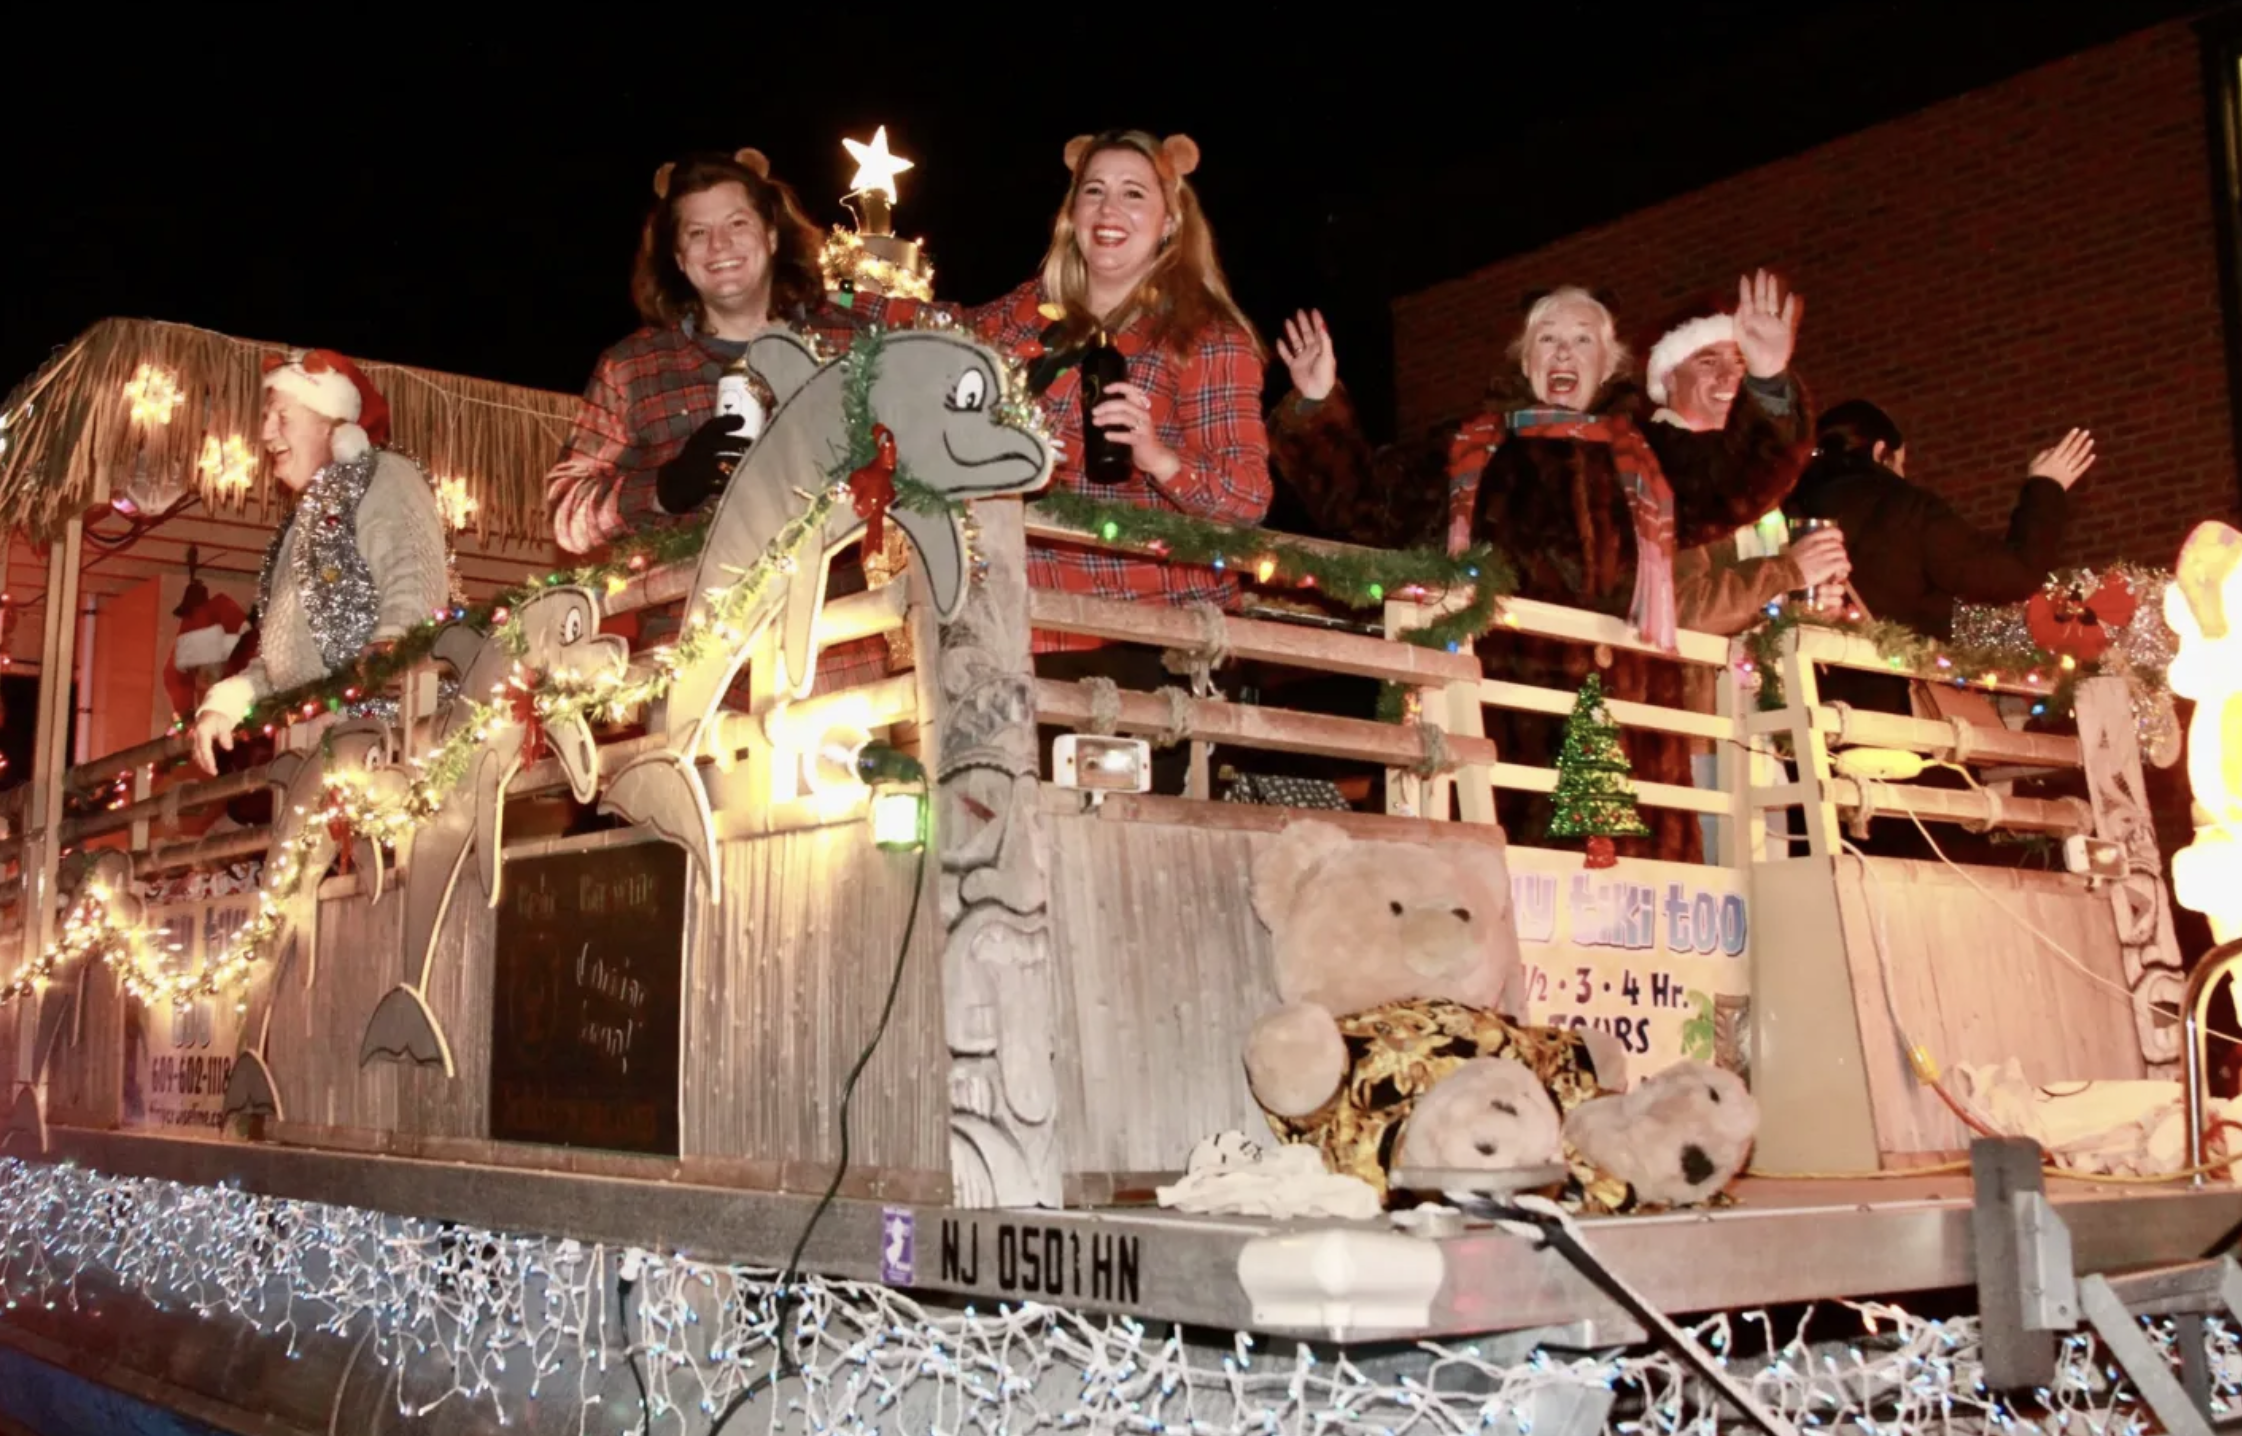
x=1393, y=961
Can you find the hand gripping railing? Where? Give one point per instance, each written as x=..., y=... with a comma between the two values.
x=2221, y=961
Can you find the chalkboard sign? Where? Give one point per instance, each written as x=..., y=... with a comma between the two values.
x=590, y=959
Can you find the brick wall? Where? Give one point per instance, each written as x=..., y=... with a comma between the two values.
x=1992, y=270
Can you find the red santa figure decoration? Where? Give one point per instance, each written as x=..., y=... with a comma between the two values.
x=208, y=647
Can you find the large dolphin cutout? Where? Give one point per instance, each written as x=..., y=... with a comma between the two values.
x=365, y=749
x=560, y=631
x=938, y=393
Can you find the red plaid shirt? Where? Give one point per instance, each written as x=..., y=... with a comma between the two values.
x=647, y=396
x=1206, y=405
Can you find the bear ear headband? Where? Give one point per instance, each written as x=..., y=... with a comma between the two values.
x=1180, y=151
x=750, y=159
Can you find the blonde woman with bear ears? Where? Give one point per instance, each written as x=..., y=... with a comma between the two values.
x=1131, y=255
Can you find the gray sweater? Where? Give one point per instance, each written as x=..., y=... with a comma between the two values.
x=399, y=531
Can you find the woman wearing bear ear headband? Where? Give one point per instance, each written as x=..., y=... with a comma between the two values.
x=725, y=253
x=1131, y=254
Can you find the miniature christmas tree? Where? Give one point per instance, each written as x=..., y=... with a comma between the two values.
x=1594, y=797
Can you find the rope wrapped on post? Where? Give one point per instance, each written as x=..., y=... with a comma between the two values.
x=1179, y=717
x=1439, y=760
x=1198, y=664
x=1105, y=706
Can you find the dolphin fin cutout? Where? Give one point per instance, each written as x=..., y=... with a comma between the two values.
x=250, y=1090
x=403, y=1029
x=662, y=792
x=26, y=1127
x=492, y=775
x=805, y=596
x=941, y=552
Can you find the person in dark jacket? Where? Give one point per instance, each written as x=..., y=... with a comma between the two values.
x=1913, y=556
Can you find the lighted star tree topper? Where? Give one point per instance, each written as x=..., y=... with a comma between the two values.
x=1595, y=795
x=870, y=259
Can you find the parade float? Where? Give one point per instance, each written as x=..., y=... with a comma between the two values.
x=822, y=1066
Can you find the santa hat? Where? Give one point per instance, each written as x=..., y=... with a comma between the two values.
x=1681, y=341
x=330, y=385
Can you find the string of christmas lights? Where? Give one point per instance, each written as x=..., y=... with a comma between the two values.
x=1996, y=646
x=484, y=1316
x=363, y=806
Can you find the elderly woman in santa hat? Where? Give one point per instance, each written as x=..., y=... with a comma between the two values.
x=362, y=557
x=1565, y=473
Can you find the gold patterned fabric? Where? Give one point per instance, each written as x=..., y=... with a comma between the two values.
x=1397, y=1052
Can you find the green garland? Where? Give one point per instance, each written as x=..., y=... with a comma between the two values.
x=1356, y=578
x=1908, y=654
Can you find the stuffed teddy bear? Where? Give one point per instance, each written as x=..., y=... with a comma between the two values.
x=1393, y=961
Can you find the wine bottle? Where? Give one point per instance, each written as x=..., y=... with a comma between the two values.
x=1105, y=460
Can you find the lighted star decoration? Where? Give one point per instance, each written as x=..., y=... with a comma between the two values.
x=153, y=394
x=228, y=467
x=457, y=504
x=876, y=167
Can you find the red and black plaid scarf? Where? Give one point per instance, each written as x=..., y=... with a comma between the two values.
x=1650, y=499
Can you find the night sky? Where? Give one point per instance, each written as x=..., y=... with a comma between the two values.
x=472, y=205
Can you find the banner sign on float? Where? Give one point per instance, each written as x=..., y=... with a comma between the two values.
x=179, y=1054
x=1656, y=954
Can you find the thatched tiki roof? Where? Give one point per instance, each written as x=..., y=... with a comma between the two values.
x=146, y=409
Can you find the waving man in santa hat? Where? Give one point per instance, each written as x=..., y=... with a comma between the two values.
x=359, y=562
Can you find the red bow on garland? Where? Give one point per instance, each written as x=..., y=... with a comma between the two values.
x=2080, y=625
x=345, y=838
x=521, y=706
x=873, y=488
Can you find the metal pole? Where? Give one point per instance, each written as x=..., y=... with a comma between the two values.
x=2218, y=963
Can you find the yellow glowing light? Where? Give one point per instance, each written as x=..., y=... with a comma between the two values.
x=2203, y=606
x=2068, y=662
x=1265, y=570
x=457, y=504
x=154, y=394
x=876, y=167
x=228, y=467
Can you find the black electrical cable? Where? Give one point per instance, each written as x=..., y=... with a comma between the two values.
x=784, y=1365
x=623, y=1285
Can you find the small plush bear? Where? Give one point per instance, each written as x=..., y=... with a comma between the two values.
x=1393, y=961
x=1488, y=1114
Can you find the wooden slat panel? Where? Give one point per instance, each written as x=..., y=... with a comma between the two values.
x=459, y=993
x=1654, y=795
x=85, y=1086
x=1251, y=726
x=1550, y=620
x=801, y=953
x=1527, y=698
x=1974, y=986
x=313, y=1050
x=1163, y=970
x=1320, y=649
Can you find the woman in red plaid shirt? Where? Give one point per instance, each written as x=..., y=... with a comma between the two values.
x=726, y=253
x=1131, y=253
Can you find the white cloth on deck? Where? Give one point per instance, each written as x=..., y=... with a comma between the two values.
x=2115, y=1128
x=1229, y=1175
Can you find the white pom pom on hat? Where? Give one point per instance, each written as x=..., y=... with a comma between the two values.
x=330, y=385
x=1679, y=343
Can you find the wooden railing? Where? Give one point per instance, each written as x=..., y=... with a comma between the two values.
x=1450, y=691
x=1058, y=926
